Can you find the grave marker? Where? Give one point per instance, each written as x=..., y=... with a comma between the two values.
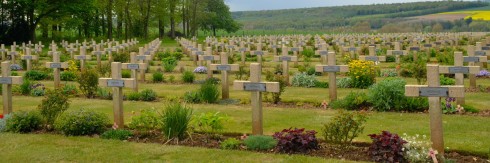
x=242, y=50
x=296, y=51
x=56, y=65
x=143, y=59
x=28, y=57
x=285, y=59
x=6, y=80
x=434, y=92
x=332, y=68
x=71, y=49
x=3, y=51
x=98, y=52
x=209, y=58
x=459, y=70
x=134, y=66
x=224, y=67
x=372, y=56
x=323, y=53
x=12, y=54
x=117, y=84
x=259, y=53
x=82, y=57
x=256, y=88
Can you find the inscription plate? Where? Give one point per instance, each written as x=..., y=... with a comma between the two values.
x=199, y=53
x=141, y=57
x=427, y=45
x=108, y=49
x=371, y=58
x=438, y=43
x=480, y=53
x=352, y=49
x=81, y=57
x=471, y=59
x=254, y=87
x=97, y=53
x=242, y=49
x=208, y=58
x=115, y=83
x=454, y=70
x=397, y=52
x=223, y=67
x=147, y=53
x=5, y=80
x=231, y=46
x=285, y=58
x=372, y=45
x=274, y=46
x=294, y=49
x=193, y=49
x=434, y=92
x=55, y=65
x=133, y=66
x=323, y=52
x=388, y=43
x=485, y=48
x=259, y=53
x=28, y=57
x=331, y=68
x=414, y=49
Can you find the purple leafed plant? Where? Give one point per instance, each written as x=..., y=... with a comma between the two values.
x=483, y=73
x=386, y=147
x=201, y=70
x=296, y=140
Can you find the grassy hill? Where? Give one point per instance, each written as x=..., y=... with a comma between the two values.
x=330, y=17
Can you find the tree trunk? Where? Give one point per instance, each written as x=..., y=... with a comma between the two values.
x=161, y=31
x=109, y=19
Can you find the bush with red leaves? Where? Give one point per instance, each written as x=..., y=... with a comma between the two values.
x=386, y=147
x=297, y=140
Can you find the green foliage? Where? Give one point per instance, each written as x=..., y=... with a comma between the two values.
x=104, y=93
x=188, y=77
x=68, y=76
x=260, y=142
x=70, y=89
x=446, y=81
x=362, y=73
x=35, y=75
x=169, y=64
x=304, y=80
x=230, y=143
x=37, y=92
x=389, y=95
x=26, y=87
x=148, y=95
x=275, y=77
x=24, y=122
x=133, y=96
x=3, y=122
x=126, y=74
x=121, y=57
x=176, y=118
x=344, y=82
x=211, y=122
x=353, y=101
x=416, y=69
x=54, y=104
x=147, y=120
x=242, y=73
x=192, y=97
x=88, y=81
x=81, y=122
x=209, y=92
x=117, y=134
x=158, y=77
x=308, y=53
x=344, y=127
x=320, y=84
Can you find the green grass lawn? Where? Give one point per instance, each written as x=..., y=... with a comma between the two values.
x=468, y=133
x=56, y=148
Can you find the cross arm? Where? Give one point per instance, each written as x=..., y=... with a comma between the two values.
x=82, y=57
x=227, y=67
x=17, y=80
x=326, y=68
x=134, y=66
x=56, y=65
x=426, y=91
x=459, y=69
x=475, y=59
x=285, y=58
x=396, y=52
x=209, y=57
x=30, y=57
x=373, y=58
x=122, y=83
x=261, y=87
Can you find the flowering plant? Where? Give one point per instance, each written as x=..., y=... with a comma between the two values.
x=1, y=116
x=448, y=106
x=362, y=73
x=15, y=67
x=483, y=73
x=416, y=148
x=201, y=70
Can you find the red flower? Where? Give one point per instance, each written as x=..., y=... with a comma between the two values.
x=1, y=116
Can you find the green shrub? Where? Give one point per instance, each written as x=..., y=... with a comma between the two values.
x=81, y=122
x=3, y=122
x=176, y=118
x=390, y=58
x=70, y=89
x=230, y=143
x=192, y=97
x=121, y=57
x=260, y=142
x=88, y=81
x=26, y=87
x=275, y=77
x=38, y=91
x=447, y=81
x=148, y=95
x=362, y=73
x=147, y=120
x=24, y=122
x=353, y=101
x=470, y=109
x=126, y=74
x=211, y=122
x=385, y=94
x=169, y=64
x=158, y=77
x=68, y=76
x=117, y=134
x=320, y=84
x=188, y=77
x=304, y=80
x=344, y=82
x=344, y=127
x=311, y=71
x=53, y=105
x=209, y=92
x=35, y=75
x=133, y=96
x=104, y=93
x=171, y=79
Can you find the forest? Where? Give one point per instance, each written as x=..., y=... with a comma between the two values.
x=57, y=19
x=377, y=15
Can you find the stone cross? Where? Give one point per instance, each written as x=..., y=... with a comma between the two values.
x=372, y=56
x=414, y=50
x=82, y=57
x=259, y=53
x=274, y=48
x=224, y=67
x=285, y=59
x=296, y=51
x=12, y=54
x=98, y=52
x=256, y=88
x=3, y=51
x=143, y=58
x=6, y=80
x=71, y=49
x=459, y=70
x=332, y=68
x=109, y=51
x=134, y=66
x=209, y=58
x=54, y=49
x=56, y=65
x=28, y=57
x=397, y=52
x=117, y=83
x=196, y=52
x=323, y=53
x=434, y=92
x=242, y=51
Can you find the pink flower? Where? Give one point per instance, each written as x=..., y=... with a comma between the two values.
x=243, y=137
x=115, y=126
x=433, y=154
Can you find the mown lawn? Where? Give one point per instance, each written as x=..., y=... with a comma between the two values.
x=57, y=148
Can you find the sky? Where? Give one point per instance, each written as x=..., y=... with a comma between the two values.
x=253, y=5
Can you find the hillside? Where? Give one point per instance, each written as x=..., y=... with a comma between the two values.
x=377, y=15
